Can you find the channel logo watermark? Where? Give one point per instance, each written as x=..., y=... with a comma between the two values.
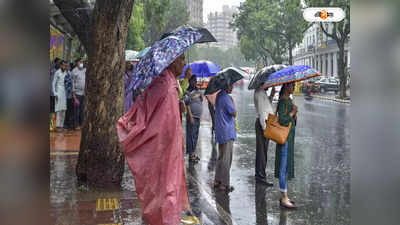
x=328, y=14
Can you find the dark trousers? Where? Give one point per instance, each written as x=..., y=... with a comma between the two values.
x=52, y=104
x=261, y=151
x=224, y=163
x=78, y=114
x=192, y=134
x=212, y=115
x=69, y=115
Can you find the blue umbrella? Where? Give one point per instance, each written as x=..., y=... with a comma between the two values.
x=291, y=74
x=202, y=68
x=165, y=51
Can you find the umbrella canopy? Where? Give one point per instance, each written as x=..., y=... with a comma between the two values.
x=291, y=74
x=165, y=51
x=130, y=55
x=142, y=53
x=224, y=79
x=262, y=75
x=202, y=68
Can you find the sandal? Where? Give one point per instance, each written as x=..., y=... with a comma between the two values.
x=284, y=205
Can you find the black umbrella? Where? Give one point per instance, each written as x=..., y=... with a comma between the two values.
x=206, y=35
x=262, y=75
x=223, y=79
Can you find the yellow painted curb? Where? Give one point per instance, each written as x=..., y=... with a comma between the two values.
x=107, y=204
x=64, y=153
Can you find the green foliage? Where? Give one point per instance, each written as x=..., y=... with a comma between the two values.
x=230, y=57
x=155, y=19
x=340, y=32
x=269, y=28
x=177, y=14
x=136, y=28
x=162, y=16
x=152, y=18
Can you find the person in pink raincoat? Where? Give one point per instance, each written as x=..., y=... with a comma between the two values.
x=152, y=137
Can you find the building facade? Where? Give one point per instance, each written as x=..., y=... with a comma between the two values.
x=195, y=8
x=61, y=35
x=320, y=52
x=218, y=25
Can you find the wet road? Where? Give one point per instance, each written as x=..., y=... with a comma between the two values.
x=321, y=188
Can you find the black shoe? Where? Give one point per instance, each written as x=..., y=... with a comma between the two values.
x=264, y=181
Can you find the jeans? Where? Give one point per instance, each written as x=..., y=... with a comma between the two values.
x=69, y=114
x=283, y=169
x=192, y=134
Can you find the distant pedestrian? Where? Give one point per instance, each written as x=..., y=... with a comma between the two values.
x=225, y=135
x=69, y=114
x=194, y=108
x=284, y=157
x=128, y=76
x=54, y=66
x=60, y=95
x=79, y=79
x=263, y=105
x=183, y=85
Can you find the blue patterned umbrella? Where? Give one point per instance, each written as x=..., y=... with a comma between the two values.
x=202, y=68
x=165, y=51
x=291, y=74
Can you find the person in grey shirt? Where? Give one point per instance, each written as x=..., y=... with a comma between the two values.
x=194, y=107
x=263, y=107
x=78, y=79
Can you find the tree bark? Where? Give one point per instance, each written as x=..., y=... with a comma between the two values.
x=342, y=74
x=290, y=53
x=101, y=162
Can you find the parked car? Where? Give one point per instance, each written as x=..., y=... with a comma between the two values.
x=328, y=84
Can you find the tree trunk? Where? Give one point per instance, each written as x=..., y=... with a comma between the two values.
x=101, y=162
x=290, y=53
x=103, y=33
x=342, y=75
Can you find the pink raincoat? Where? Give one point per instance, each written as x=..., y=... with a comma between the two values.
x=152, y=139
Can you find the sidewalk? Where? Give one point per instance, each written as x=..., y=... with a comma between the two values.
x=326, y=97
x=332, y=98
x=71, y=206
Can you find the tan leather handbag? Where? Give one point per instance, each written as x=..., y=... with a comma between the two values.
x=275, y=131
